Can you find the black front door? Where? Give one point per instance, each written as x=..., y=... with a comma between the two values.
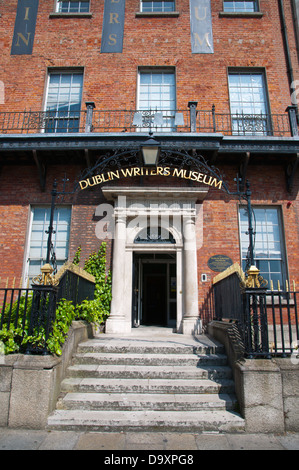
x=154, y=294
x=154, y=290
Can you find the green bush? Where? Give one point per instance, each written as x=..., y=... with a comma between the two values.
x=15, y=338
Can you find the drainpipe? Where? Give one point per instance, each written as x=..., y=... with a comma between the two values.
x=287, y=53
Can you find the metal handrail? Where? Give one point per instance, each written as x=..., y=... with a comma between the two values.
x=157, y=120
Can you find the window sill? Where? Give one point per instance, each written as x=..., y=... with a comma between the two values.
x=253, y=14
x=70, y=15
x=157, y=14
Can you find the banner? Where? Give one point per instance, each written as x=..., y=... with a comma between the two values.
x=113, y=26
x=23, y=38
x=201, y=27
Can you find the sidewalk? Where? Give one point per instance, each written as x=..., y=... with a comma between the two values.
x=21, y=439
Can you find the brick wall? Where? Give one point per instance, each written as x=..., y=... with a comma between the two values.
x=20, y=189
x=110, y=79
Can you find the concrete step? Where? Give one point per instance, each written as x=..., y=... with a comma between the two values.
x=153, y=347
x=149, y=359
x=139, y=371
x=148, y=383
x=180, y=386
x=146, y=420
x=147, y=401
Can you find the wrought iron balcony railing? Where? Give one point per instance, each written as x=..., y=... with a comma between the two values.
x=190, y=120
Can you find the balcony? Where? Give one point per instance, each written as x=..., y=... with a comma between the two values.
x=158, y=121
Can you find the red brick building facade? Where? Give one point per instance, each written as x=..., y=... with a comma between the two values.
x=223, y=77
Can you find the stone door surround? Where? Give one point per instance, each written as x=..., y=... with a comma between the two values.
x=176, y=210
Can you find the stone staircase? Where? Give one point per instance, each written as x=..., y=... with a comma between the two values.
x=169, y=383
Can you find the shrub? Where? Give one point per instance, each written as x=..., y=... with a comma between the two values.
x=15, y=338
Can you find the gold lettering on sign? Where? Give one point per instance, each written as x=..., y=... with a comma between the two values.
x=21, y=36
x=27, y=13
x=113, y=18
x=201, y=41
x=112, y=39
x=158, y=171
x=200, y=18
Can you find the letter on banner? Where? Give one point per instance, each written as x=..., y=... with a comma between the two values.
x=201, y=27
x=23, y=38
x=113, y=26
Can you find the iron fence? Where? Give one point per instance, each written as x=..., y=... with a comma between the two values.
x=27, y=315
x=241, y=124
x=75, y=288
x=28, y=122
x=267, y=320
x=157, y=120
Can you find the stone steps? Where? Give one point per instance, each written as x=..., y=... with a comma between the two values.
x=145, y=347
x=146, y=420
x=150, y=359
x=154, y=372
x=147, y=401
x=125, y=385
x=131, y=384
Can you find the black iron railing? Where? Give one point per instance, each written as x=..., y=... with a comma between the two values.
x=270, y=323
x=15, y=308
x=27, y=315
x=42, y=122
x=267, y=320
x=75, y=288
x=157, y=120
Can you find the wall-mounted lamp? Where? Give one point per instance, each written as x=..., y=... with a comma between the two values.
x=150, y=151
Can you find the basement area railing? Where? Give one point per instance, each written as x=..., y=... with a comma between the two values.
x=156, y=120
x=27, y=315
x=267, y=320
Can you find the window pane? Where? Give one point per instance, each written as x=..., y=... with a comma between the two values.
x=248, y=103
x=39, y=237
x=268, y=246
x=240, y=6
x=154, y=7
x=72, y=6
x=157, y=93
x=64, y=97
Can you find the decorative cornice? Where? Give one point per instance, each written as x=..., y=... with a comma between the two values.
x=175, y=140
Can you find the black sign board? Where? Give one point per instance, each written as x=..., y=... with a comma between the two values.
x=113, y=26
x=219, y=263
x=23, y=38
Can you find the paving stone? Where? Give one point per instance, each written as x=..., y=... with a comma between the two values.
x=101, y=441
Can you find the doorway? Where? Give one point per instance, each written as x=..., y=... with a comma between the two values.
x=154, y=289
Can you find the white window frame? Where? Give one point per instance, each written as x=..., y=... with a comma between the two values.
x=42, y=259
x=244, y=10
x=58, y=10
x=157, y=115
x=52, y=117
x=253, y=122
x=265, y=239
x=162, y=10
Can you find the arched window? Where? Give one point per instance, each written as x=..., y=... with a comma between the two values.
x=154, y=235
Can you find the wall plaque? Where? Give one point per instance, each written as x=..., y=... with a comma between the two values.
x=219, y=263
